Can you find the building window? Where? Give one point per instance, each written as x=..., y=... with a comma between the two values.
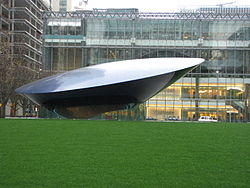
x=63, y=3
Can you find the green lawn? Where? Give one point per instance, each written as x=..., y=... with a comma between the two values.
x=77, y=153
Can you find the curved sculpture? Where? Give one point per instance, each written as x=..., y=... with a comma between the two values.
x=89, y=91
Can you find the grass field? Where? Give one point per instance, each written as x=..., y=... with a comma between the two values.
x=77, y=153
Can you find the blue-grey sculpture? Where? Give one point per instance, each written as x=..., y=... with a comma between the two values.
x=89, y=91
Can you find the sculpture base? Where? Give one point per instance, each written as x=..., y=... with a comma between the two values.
x=88, y=111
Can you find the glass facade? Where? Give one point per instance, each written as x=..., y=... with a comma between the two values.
x=219, y=87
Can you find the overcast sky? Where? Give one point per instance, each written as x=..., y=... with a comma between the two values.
x=159, y=5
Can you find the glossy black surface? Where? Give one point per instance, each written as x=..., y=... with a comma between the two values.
x=108, y=73
x=87, y=98
x=113, y=97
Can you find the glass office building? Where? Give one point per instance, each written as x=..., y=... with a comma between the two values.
x=220, y=87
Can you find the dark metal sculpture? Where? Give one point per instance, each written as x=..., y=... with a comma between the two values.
x=89, y=91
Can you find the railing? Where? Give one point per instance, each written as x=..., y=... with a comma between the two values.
x=238, y=105
x=151, y=15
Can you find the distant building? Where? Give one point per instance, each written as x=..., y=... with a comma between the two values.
x=62, y=5
x=21, y=24
x=23, y=20
x=4, y=17
x=219, y=88
x=82, y=5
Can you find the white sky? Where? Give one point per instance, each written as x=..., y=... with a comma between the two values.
x=159, y=5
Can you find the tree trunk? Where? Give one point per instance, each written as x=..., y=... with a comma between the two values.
x=13, y=110
x=2, y=110
x=24, y=106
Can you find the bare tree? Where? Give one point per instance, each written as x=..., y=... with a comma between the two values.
x=7, y=74
x=15, y=72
